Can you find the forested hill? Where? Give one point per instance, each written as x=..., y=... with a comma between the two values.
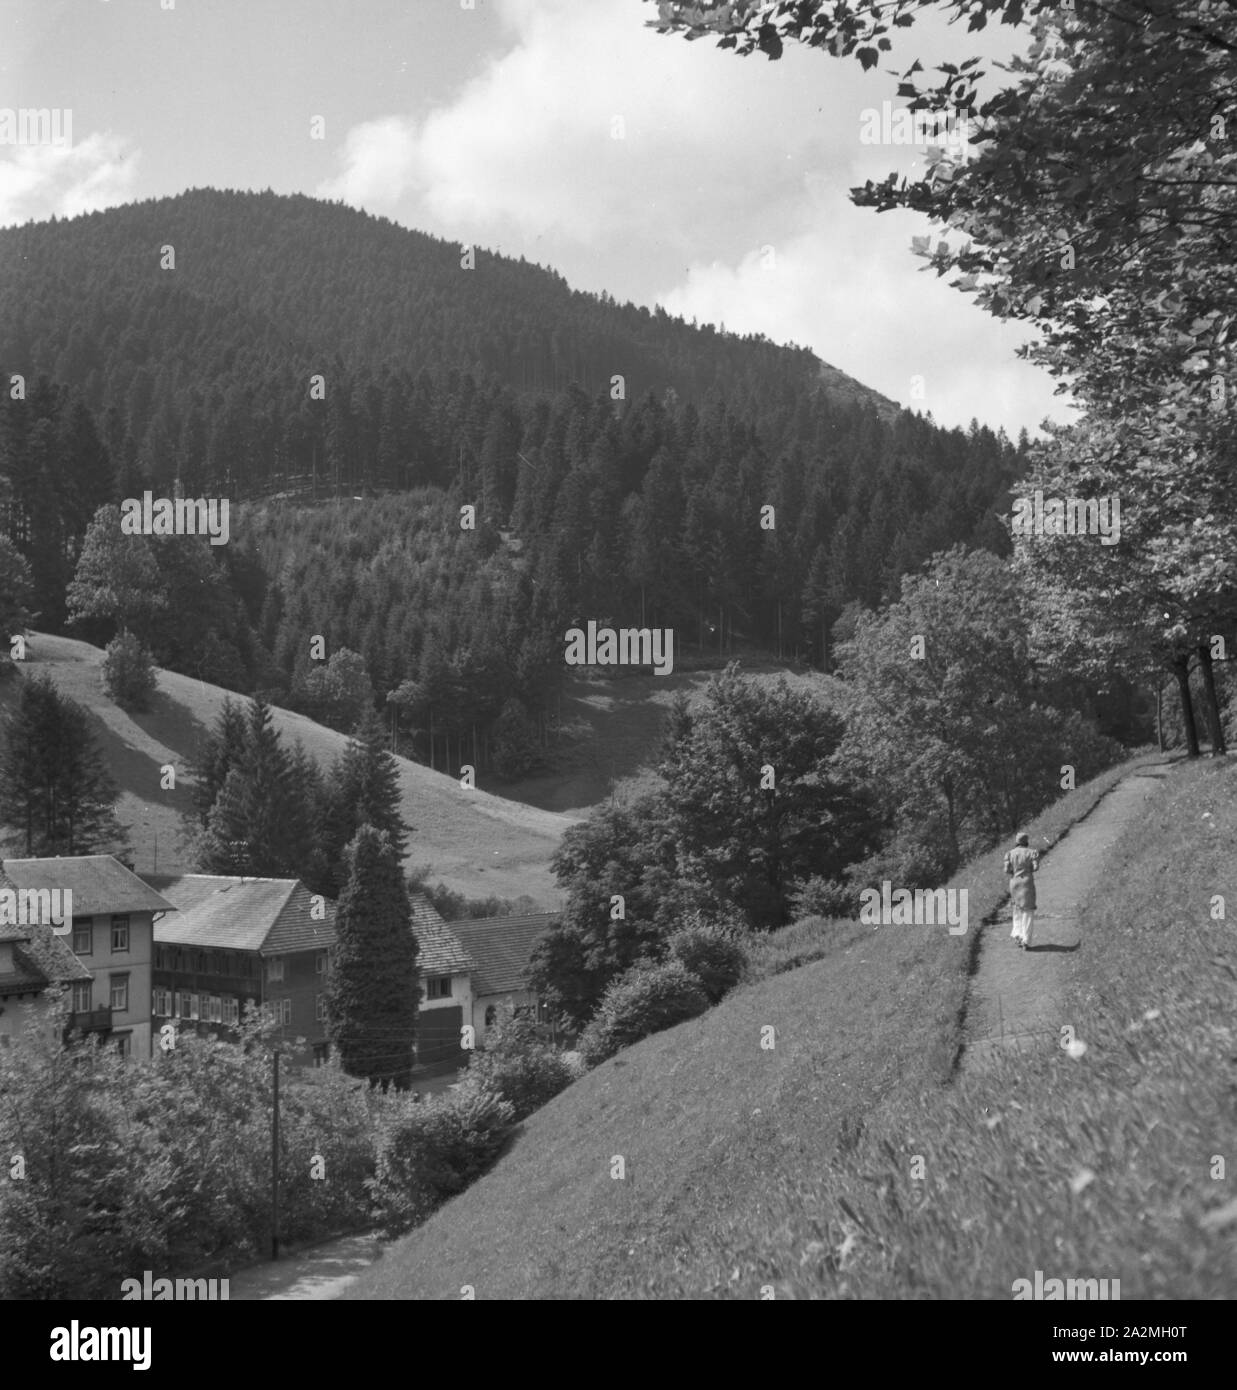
x=742, y=494
x=268, y=289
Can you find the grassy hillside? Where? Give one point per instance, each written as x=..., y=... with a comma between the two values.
x=478, y=844
x=790, y=1166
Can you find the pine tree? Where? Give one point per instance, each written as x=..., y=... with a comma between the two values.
x=363, y=790
x=220, y=751
x=15, y=591
x=372, y=993
x=249, y=830
x=55, y=791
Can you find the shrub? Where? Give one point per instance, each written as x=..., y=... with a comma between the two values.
x=644, y=1000
x=128, y=673
x=712, y=950
x=518, y=1066
x=164, y=1165
x=824, y=897
x=428, y=1150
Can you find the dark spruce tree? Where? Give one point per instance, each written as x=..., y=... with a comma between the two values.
x=220, y=751
x=249, y=829
x=363, y=790
x=56, y=796
x=372, y=993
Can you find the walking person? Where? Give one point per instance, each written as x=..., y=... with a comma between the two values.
x=1020, y=864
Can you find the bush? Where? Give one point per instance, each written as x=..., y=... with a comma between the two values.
x=431, y=1149
x=824, y=897
x=518, y=1066
x=164, y=1165
x=128, y=673
x=644, y=1000
x=712, y=951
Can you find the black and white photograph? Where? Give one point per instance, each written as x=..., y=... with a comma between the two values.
x=618, y=620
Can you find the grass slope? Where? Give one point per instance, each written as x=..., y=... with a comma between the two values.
x=790, y=1167
x=477, y=843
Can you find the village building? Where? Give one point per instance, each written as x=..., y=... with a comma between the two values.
x=445, y=970
x=500, y=949
x=111, y=937
x=236, y=940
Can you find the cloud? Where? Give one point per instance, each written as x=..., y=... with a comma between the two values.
x=590, y=127
x=715, y=158
x=849, y=290
x=41, y=181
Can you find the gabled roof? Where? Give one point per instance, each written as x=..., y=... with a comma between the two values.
x=270, y=915
x=440, y=950
x=501, y=947
x=100, y=883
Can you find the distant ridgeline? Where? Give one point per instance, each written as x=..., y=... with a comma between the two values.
x=622, y=467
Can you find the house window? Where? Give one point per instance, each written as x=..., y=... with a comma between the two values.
x=320, y=963
x=279, y=1010
x=438, y=987
x=161, y=1002
x=274, y=968
x=491, y=1015
x=322, y=1053
x=214, y=1009
x=120, y=933
x=81, y=996
x=231, y=1010
x=83, y=936
x=160, y=964
x=120, y=993
x=320, y=1008
x=124, y=1045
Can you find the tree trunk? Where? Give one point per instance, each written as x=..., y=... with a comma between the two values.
x=1212, y=705
x=1181, y=670
x=1159, y=714
x=952, y=823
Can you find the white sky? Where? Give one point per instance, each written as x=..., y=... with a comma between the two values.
x=495, y=126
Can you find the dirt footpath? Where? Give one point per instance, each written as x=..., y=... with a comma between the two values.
x=1015, y=995
x=320, y=1273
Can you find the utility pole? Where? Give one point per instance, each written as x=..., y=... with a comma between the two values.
x=275, y=1164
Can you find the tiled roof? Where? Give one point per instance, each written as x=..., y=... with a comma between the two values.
x=501, y=947
x=270, y=915
x=42, y=959
x=99, y=883
x=440, y=950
